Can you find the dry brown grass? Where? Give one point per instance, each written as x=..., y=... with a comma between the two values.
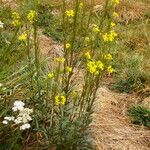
x=111, y=127
x=130, y=10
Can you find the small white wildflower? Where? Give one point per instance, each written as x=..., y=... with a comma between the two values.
x=9, y=118
x=18, y=105
x=25, y=126
x=18, y=120
x=1, y=24
x=5, y=122
x=25, y=115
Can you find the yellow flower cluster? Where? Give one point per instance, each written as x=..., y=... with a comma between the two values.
x=109, y=37
x=108, y=56
x=60, y=100
x=113, y=24
x=69, y=69
x=115, y=15
x=110, y=69
x=60, y=59
x=50, y=75
x=32, y=16
x=115, y=2
x=70, y=13
x=23, y=37
x=87, y=55
x=16, y=19
x=95, y=66
x=96, y=28
x=81, y=5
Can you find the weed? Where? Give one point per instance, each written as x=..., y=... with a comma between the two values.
x=140, y=115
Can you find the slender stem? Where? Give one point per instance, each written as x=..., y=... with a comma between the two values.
x=36, y=50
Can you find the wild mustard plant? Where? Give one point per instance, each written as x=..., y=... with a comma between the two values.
x=63, y=104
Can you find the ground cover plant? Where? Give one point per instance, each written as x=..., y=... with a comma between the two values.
x=140, y=115
x=44, y=105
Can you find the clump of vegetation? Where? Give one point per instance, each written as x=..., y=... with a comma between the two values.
x=50, y=22
x=140, y=115
x=61, y=111
x=131, y=54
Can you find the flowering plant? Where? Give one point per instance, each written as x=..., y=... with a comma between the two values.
x=62, y=102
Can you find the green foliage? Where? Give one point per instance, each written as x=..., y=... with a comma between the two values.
x=140, y=115
x=50, y=23
x=124, y=85
x=71, y=135
x=132, y=58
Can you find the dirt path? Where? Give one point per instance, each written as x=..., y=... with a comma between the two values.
x=111, y=127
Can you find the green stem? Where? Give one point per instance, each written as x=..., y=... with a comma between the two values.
x=36, y=50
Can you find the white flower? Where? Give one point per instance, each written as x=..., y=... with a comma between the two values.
x=9, y=118
x=1, y=24
x=25, y=126
x=5, y=122
x=18, y=105
x=18, y=120
x=25, y=115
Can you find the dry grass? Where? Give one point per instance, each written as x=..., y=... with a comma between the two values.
x=130, y=10
x=111, y=126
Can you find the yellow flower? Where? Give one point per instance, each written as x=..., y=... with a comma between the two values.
x=69, y=69
x=110, y=69
x=87, y=55
x=105, y=37
x=68, y=46
x=92, y=67
x=16, y=23
x=95, y=66
x=115, y=2
x=113, y=24
x=81, y=5
x=50, y=75
x=96, y=29
x=23, y=37
x=16, y=19
x=60, y=100
x=100, y=65
x=15, y=16
x=109, y=37
x=60, y=59
x=113, y=34
x=108, y=57
x=115, y=15
x=70, y=13
x=32, y=16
